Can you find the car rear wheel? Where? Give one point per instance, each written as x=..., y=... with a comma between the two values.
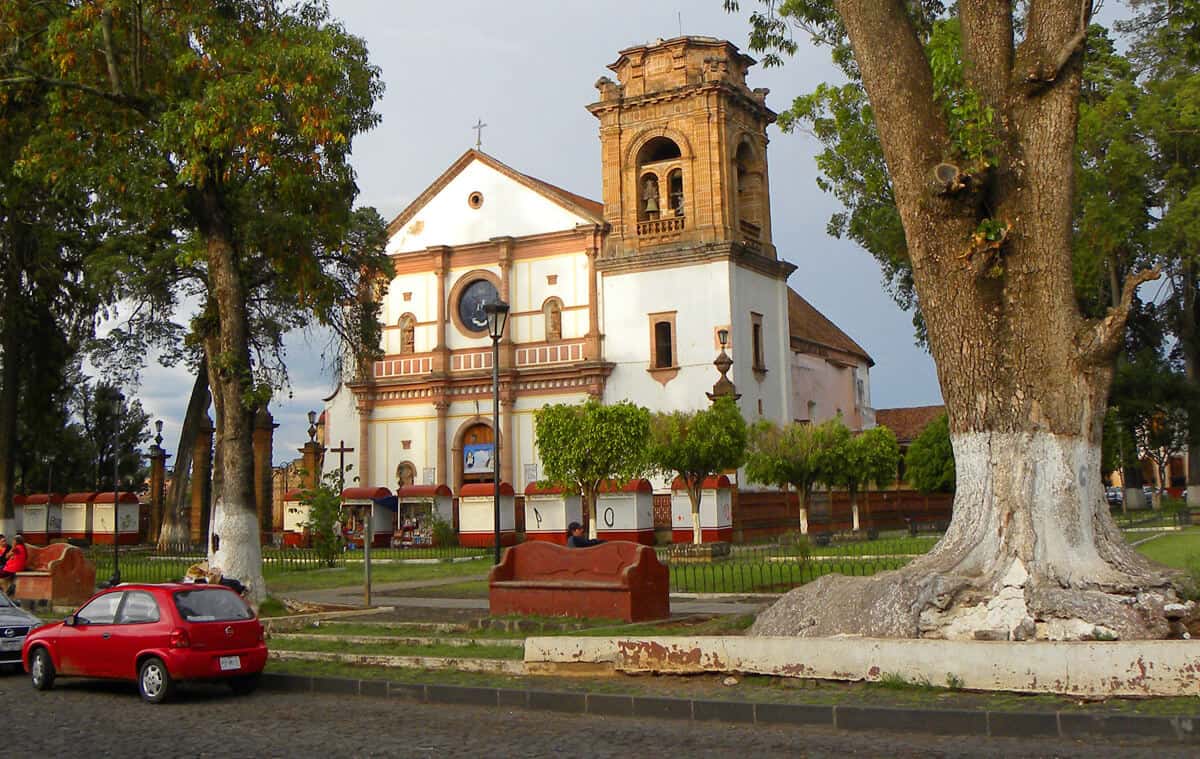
x=41, y=669
x=244, y=685
x=154, y=681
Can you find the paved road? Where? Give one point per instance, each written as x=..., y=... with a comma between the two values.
x=108, y=719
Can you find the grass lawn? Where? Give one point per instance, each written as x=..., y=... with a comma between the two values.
x=315, y=579
x=475, y=651
x=1176, y=549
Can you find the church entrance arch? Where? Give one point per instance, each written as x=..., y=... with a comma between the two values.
x=474, y=452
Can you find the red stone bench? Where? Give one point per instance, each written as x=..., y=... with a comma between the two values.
x=58, y=574
x=615, y=580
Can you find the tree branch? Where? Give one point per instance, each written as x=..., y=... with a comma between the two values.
x=1041, y=74
x=110, y=57
x=1100, y=339
x=987, y=43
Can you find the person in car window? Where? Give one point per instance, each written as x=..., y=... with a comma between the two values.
x=18, y=557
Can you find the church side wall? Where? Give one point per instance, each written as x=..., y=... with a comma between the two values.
x=829, y=386
x=507, y=210
x=754, y=293
x=341, y=426
x=699, y=297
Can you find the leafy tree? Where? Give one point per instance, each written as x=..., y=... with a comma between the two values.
x=857, y=460
x=976, y=106
x=232, y=123
x=324, y=515
x=695, y=445
x=795, y=455
x=929, y=463
x=583, y=445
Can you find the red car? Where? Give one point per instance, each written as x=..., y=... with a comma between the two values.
x=155, y=635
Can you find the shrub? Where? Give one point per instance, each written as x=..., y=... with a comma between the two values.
x=442, y=531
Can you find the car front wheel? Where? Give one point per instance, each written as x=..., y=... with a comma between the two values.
x=154, y=681
x=41, y=669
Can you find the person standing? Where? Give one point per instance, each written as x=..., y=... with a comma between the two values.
x=18, y=558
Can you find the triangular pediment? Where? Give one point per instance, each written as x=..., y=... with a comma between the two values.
x=478, y=199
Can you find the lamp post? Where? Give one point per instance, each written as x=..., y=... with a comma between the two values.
x=723, y=387
x=497, y=317
x=115, y=580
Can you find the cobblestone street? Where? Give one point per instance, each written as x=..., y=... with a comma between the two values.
x=108, y=719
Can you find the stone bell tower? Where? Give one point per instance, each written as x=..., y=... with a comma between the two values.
x=684, y=146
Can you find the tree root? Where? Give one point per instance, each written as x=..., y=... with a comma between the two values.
x=915, y=602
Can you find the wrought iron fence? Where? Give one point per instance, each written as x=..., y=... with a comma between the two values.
x=417, y=553
x=151, y=565
x=770, y=574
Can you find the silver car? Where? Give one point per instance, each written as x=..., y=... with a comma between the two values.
x=15, y=624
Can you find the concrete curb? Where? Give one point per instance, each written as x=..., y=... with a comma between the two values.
x=966, y=722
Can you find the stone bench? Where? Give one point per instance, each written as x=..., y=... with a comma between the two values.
x=844, y=536
x=936, y=525
x=615, y=580
x=58, y=574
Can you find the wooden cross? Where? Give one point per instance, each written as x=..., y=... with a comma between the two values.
x=479, y=125
x=341, y=451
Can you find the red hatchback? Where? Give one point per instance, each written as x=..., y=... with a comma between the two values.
x=155, y=635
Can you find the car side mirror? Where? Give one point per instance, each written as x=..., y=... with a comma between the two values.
x=70, y=620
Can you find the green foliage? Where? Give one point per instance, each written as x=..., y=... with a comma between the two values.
x=581, y=446
x=970, y=121
x=1154, y=405
x=442, y=531
x=324, y=517
x=929, y=464
x=797, y=455
x=856, y=460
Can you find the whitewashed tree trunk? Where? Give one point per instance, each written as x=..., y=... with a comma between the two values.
x=694, y=498
x=803, y=521
x=854, y=516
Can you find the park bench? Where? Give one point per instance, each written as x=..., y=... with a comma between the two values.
x=58, y=574
x=614, y=580
x=934, y=526
x=844, y=536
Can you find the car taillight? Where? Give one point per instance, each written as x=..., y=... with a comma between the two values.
x=262, y=633
x=180, y=639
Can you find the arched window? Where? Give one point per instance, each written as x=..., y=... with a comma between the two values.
x=408, y=334
x=658, y=149
x=660, y=187
x=552, y=312
x=648, y=202
x=750, y=199
x=675, y=192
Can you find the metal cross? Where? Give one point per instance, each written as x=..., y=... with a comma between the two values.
x=479, y=125
x=341, y=451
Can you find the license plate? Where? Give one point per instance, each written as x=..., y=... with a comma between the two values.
x=231, y=662
x=13, y=644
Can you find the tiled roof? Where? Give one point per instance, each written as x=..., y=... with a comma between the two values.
x=908, y=422
x=807, y=324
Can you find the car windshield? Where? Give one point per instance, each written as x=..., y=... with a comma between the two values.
x=211, y=606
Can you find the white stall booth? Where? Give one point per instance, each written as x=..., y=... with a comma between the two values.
x=417, y=507
x=626, y=512
x=41, y=518
x=716, y=511
x=115, y=518
x=548, y=511
x=295, y=516
x=355, y=503
x=77, y=516
x=476, y=520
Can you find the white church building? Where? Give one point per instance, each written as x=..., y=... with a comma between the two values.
x=618, y=299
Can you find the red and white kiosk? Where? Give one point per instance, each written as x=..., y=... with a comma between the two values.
x=41, y=518
x=548, y=511
x=716, y=511
x=416, y=507
x=476, y=522
x=77, y=516
x=115, y=517
x=626, y=512
x=295, y=516
x=355, y=502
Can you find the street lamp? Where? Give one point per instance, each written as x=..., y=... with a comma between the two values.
x=497, y=317
x=115, y=580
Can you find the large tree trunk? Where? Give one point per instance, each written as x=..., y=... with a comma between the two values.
x=234, y=543
x=9, y=388
x=1191, y=365
x=1031, y=550
x=176, y=528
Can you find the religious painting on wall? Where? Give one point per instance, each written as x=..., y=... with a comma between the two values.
x=477, y=458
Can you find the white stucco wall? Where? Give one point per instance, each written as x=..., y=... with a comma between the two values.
x=341, y=424
x=509, y=209
x=755, y=293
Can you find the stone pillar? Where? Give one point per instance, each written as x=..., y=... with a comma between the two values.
x=201, y=481
x=158, y=461
x=505, y=256
x=441, y=267
x=364, y=442
x=505, y=438
x=312, y=454
x=591, y=343
x=264, y=436
x=443, y=474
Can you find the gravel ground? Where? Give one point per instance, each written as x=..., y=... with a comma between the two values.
x=108, y=719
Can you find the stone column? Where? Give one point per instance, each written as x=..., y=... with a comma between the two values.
x=505, y=438
x=264, y=435
x=504, y=254
x=201, y=481
x=441, y=267
x=158, y=461
x=312, y=454
x=364, y=441
x=591, y=343
x=443, y=475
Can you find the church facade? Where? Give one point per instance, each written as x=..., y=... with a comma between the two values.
x=623, y=299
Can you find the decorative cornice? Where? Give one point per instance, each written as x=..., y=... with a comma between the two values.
x=692, y=253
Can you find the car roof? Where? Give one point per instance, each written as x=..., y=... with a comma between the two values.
x=171, y=587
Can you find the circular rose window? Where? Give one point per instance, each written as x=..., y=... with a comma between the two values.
x=471, y=302
x=475, y=199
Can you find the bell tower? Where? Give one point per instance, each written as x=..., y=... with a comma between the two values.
x=684, y=152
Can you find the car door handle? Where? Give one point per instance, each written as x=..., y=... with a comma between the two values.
x=106, y=636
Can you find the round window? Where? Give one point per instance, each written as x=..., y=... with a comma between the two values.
x=475, y=199
x=471, y=302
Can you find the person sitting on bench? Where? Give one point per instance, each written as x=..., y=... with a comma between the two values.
x=575, y=538
x=18, y=557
